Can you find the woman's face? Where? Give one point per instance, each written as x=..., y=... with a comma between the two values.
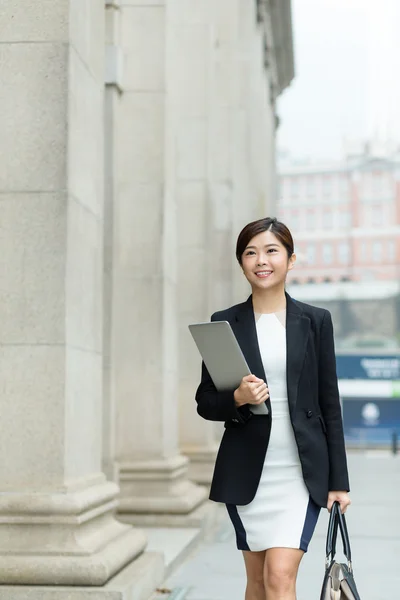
x=265, y=261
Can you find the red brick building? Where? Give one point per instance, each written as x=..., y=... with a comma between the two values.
x=345, y=219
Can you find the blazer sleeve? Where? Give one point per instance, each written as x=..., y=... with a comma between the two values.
x=218, y=406
x=330, y=407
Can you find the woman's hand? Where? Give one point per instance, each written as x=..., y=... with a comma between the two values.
x=342, y=497
x=252, y=390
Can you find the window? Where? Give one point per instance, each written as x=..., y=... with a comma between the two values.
x=377, y=252
x=310, y=186
x=367, y=216
x=344, y=186
x=327, y=254
x=284, y=191
x=328, y=219
x=388, y=187
x=287, y=188
x=391, y=251
x=294, y=186
x=364, y=252
x=377, y=185
x=377, y=215
x=376, y=181
x=327, y=185
x=294, y=221
x=311, y=254
x=344, y=218
x=344, y=253
x=309, y=225
x=284, y=200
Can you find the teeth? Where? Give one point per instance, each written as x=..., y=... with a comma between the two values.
x=263, y=272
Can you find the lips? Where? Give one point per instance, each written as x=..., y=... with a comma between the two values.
x=263, y=274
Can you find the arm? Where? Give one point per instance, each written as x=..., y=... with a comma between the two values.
x=218, y=406
x=330, y=407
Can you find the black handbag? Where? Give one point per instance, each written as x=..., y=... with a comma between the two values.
x=339, y=581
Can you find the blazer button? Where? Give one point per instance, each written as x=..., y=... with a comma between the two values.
x=309, y=414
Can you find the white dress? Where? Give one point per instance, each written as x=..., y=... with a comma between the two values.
x=282, y=514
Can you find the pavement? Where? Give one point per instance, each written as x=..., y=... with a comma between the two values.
x=215, y=570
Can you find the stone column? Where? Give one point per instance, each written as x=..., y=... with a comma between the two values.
x=144, y=340
x=253, y=159
x=113, y=91
x=56, y=505
x=189, y=80
x=223, y=86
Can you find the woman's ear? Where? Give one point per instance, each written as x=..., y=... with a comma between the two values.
x=292, y=261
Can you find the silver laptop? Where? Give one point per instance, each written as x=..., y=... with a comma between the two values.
x=223, y=357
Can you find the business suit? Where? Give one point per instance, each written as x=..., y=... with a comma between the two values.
x=313, y=404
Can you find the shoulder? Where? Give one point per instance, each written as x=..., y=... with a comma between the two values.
x=227, y=313
x=316, y=314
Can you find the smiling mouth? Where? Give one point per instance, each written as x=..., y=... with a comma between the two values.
x=263, y=274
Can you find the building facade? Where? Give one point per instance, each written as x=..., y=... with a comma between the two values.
x=138, y=138
x=346, y=220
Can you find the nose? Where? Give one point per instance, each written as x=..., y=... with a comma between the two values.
x=261, y=261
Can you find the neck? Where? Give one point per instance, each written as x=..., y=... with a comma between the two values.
x=265, y=301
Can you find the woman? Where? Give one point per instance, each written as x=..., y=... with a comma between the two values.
x=275, y=471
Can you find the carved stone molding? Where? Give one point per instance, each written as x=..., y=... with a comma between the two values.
x=275, y=18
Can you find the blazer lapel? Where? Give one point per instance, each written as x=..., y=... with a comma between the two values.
x=244, y=327
x=297, y=332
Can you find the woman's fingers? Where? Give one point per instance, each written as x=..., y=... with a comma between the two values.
x=342, y=497
x=345, y=504
x=258, y=392
x=262, y=395
x=251, y=379
x=260, y=388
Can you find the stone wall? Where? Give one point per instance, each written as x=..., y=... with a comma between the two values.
x=120, y=205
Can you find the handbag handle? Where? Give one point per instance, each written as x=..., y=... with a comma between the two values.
x=332, y=533
x=337, y=519
x=344, y=533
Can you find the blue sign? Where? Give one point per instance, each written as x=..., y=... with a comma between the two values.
x=367, y=367
x=371, y=420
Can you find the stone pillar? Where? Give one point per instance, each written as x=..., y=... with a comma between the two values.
x=113, y=91
x=192, y=52
x=56, y=505
x=144, y=341
x=226, y=89
x=223, y=84
x=254, y=190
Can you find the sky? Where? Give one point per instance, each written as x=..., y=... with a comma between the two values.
x=347, y=84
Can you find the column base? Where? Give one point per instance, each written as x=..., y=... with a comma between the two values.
x=137, y=581
x=198, y=518
x=66, y=538
x=201, y=464
x=158, y=487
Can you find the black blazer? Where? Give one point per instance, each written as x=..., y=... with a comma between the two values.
x=313, y=403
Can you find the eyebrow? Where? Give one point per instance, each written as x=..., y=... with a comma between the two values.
x=266, y=246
